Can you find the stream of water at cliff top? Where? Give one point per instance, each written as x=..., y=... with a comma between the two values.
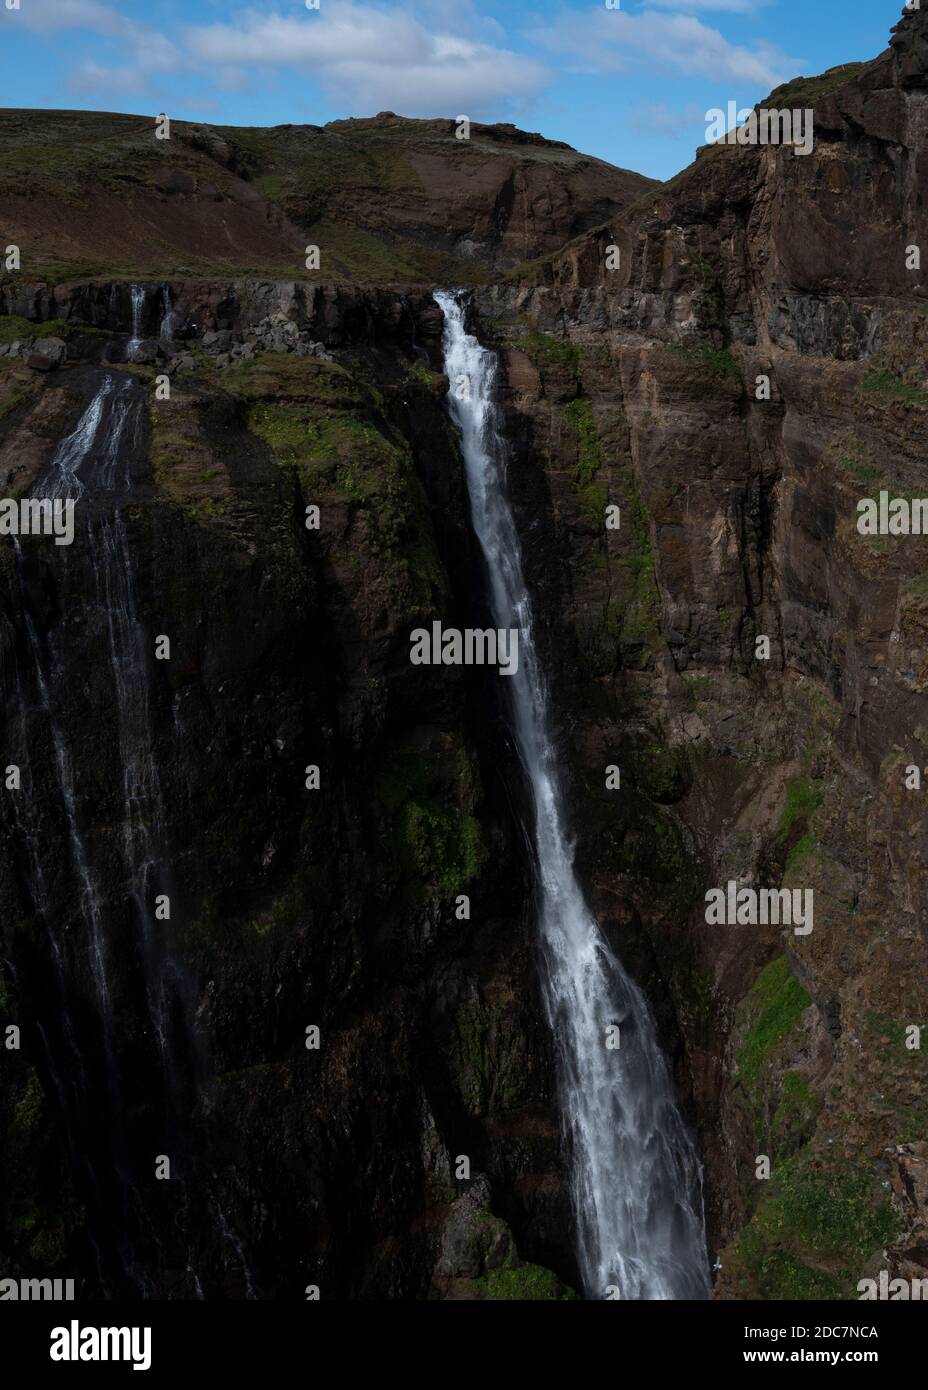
x=636, y=1181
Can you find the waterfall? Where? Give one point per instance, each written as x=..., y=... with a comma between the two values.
x=636, y=1181
x=91, y=903
x=96, y=456
x=94, y=463
x=137, y=298
x=167, y=314
x=61, y=480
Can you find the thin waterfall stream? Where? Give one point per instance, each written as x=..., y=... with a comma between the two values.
x=137, y=301
x=93, y=465
x=636, y=1180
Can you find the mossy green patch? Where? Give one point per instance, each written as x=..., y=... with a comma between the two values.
x=894, y=1033
x=693, y=987
x=805, y=91
x=772, y=1009
x=795, y=1113
x=838, y=1211
x=654, y=845
x=803, y=798
x=343, y=447
x=527, y=1283
x=705, y=360
x=489, y=1059
x=863, y=472
x=593, y=498
x=637, y=591
x=13, y=327
x=817, y=1224
x=11, y=398
x=546, y=351
x=798, y=853
x=281, y=912
x=27, y=1116
x=182, y=463
x=661, y=773
x=699, y=687
x=347, y=249
x=772, y=1273
x=590, y=456
x=428, y=797
x=881, y=382
x=914, y=1129
x=632, y=611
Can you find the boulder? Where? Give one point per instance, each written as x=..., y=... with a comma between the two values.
x=40, y=363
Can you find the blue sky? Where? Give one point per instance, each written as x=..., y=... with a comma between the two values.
x=630, y=85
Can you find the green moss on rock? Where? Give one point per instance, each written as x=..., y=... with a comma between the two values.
x=428, y=797
x=332, y=430
x=815, y=1228
x=661, y=773
x=703, y=360
x=527, y=1283
x=803, y=798
x=795, y=1113
x=886, y=383
x=13, y=327
x=773, y=1009
x=590, y=458
x=544, y=350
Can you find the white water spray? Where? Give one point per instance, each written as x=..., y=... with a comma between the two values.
x=137, y=299
x=635, y=1178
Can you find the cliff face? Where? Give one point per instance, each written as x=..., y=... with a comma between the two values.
x=807, y=253
x=790, y=771
x=290, y=908
x=337, y=907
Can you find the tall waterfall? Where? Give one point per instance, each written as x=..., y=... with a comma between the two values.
x=94, y=464
x=96, y=459
x=137, y=300
x=635, y=1178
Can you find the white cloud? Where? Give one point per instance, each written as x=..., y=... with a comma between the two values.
x=720, y=6
x=613, y=41
x=430, y=57
x=369, y=58
x=149, y=47
x=433, y=57
x=95, y=79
